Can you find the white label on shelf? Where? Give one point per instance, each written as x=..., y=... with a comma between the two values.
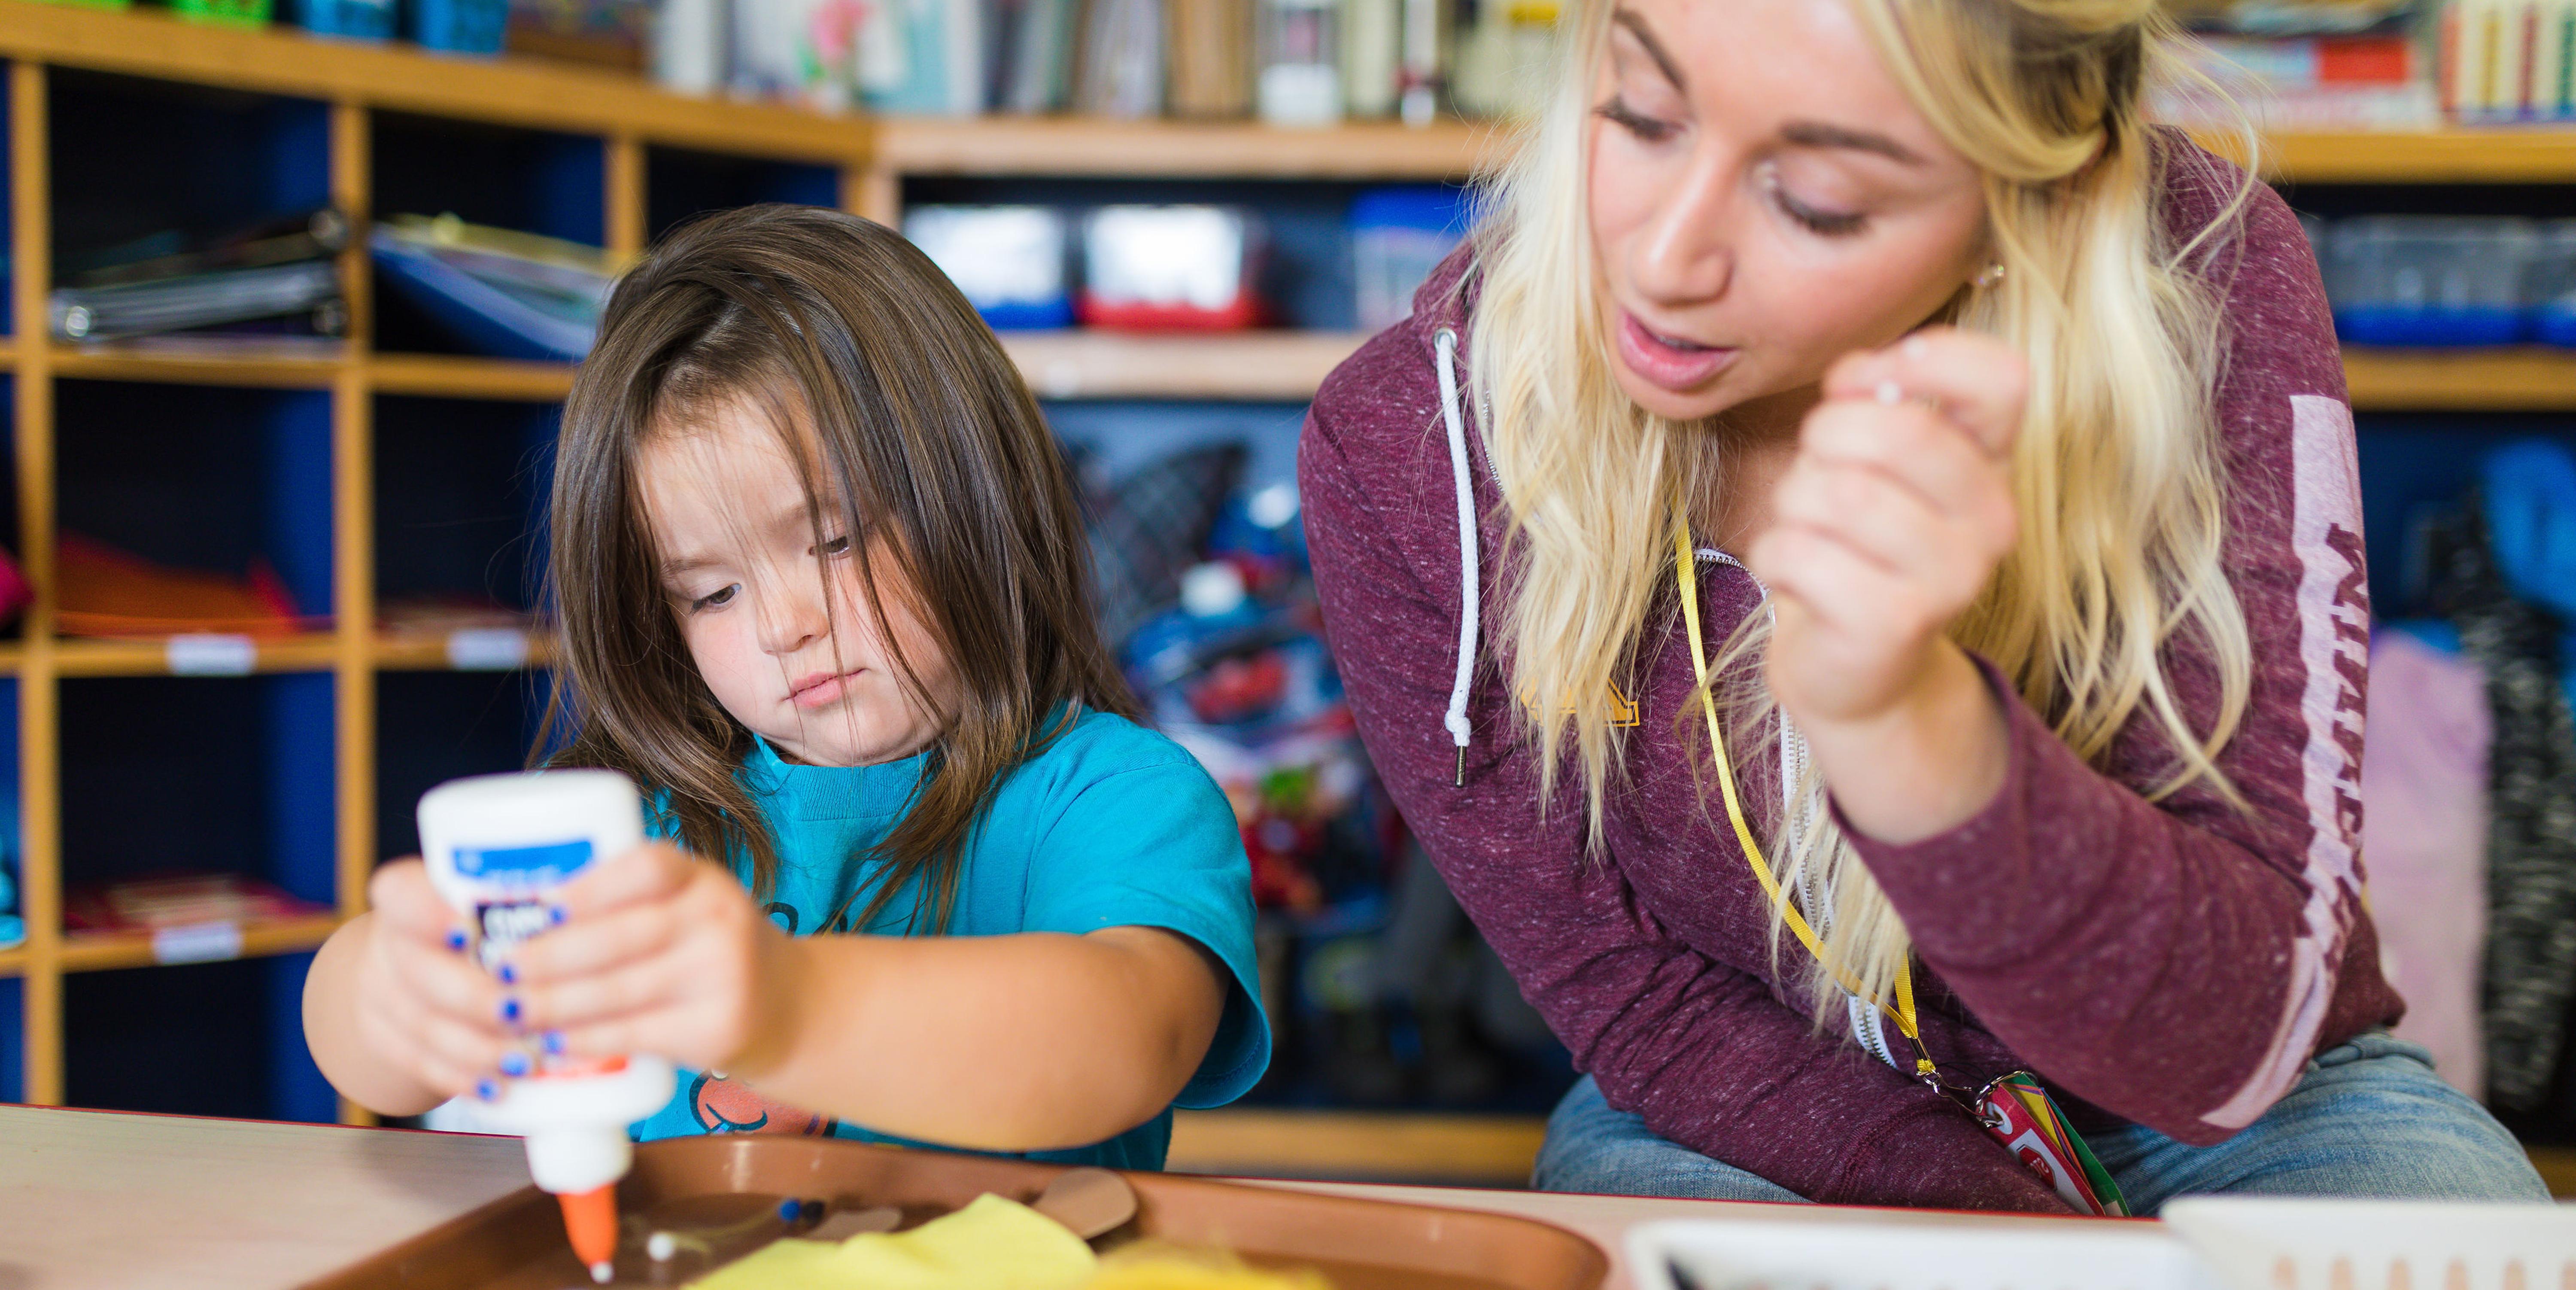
x=197, y=943
x=212, y=654
x=487, y=649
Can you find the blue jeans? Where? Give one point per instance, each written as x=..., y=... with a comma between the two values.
x=2369, y=1118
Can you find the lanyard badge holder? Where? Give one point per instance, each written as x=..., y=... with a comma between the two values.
x=2014, y=1109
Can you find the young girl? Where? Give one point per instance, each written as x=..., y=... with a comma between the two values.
x=822, y=590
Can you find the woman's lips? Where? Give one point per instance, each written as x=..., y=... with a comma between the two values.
x=1677, y=366
x=821, y=688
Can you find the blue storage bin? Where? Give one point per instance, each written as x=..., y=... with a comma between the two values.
x=1009, y=261
x=2429, y=280
x=1398, y=236
x=2551, y=292
x=459, y=26
x=352, y=19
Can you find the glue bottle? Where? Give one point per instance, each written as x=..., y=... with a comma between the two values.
x=498, y=848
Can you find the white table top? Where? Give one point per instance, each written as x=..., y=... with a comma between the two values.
x=113, y=1200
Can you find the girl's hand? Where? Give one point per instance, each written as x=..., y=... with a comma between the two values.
x=1888, y=524
x=662, y=953
x=423, y=1006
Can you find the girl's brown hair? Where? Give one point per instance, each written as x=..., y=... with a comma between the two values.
x=903, y=410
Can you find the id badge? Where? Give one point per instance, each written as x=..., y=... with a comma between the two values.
x=2020, y=1115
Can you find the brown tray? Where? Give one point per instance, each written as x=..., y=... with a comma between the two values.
x=517, y=1242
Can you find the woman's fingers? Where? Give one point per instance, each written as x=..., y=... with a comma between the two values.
x=1976, y=381
x=1911, y=444
x=1844, y=590
x=1879, y=518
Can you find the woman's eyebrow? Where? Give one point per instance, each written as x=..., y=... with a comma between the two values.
x=1654, y=48
x=1818, y=134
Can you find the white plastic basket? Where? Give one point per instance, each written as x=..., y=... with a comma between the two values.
x=1720, y=1254
x=2260, y=1243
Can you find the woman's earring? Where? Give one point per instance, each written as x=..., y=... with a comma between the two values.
x=1988, y=276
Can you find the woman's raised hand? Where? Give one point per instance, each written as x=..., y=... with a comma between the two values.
x=1887, y=525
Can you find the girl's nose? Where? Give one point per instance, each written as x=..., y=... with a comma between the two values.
x=792, y=616
x=1685, y=255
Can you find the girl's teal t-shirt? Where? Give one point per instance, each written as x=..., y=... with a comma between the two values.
x=1112, y=825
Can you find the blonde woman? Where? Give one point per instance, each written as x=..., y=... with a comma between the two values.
x=1855, y=578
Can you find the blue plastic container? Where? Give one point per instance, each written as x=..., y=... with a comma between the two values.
x=2552, y=289
x=460, y=26
x=2430, y=280
x=1008, y=260
x=349, y=19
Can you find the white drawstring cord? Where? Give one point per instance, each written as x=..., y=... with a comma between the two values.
x=1469, y=583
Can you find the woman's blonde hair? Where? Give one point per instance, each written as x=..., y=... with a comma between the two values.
x=2116, y=473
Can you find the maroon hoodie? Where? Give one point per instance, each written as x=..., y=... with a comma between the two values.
x=2172, y=963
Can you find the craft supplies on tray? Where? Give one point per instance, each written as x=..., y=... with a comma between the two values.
x=729, y=1181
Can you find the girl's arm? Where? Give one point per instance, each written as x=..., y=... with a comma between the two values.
x=1026, y=1042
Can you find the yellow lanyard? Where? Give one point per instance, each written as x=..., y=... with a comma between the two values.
x=1685, y=567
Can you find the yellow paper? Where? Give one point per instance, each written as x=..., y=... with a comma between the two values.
x=779, y=1264
x=992, y=1244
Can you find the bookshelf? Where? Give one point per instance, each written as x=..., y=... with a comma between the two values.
x=380, y=120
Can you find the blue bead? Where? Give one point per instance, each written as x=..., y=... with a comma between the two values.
x=486, y=1090
x=514, y=1063
x=510, y=1011
x=554, y=1042
x=509, y=975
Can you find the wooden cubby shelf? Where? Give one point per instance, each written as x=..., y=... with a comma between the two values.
x=452, y=377
x=2463, y=380
x=260, y=938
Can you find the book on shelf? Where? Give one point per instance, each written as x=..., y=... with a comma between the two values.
x=180, y=900
x=502, y=292
x=1211, y=62
x=1120, y=71
x=275, y=271
x=2376, y=80
x=2505, y=62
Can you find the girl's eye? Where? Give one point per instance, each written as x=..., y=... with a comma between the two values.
x=1824, y=222
x=836, y=546
x=716, y=599
x=1647, y=129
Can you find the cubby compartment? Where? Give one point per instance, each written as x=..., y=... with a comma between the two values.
x=249, y=792
x=432, y=727
x=223, y=1039
x=229, y=482
x=2414, y=471
x=143, y=169
x=460, y=501
x=679, y=184
x=528, y=181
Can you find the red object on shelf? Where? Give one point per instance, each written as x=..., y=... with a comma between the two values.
x=179, y=900
x=1243, y=314
x=107, y=592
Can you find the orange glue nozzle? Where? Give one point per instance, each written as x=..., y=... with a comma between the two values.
x=590, y=1219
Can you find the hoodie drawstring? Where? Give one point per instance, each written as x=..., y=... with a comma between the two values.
x=1470, y=584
